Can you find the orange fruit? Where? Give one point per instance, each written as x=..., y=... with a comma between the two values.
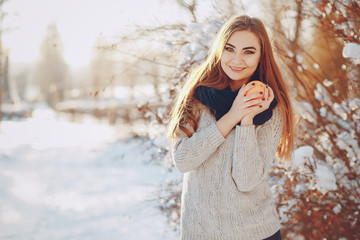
x=258, y=87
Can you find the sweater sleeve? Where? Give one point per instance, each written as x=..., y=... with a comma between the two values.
x=254, y=151
x=190, y=152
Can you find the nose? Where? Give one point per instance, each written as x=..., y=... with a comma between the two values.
x=237, y=59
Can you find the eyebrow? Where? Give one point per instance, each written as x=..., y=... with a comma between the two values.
x=245, y=48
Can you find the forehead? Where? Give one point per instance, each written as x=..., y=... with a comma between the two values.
x=242, y=39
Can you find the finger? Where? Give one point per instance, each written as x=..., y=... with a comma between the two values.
x=243, y=90
x=240, y=95
x=254, y=102
x=263, y=102
x=258, y=108
x=266, y=95
x=255, y=110
x=246, y=88
x=271, y=94
x=255, y=95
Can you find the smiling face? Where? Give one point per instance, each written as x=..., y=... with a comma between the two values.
x=240, y=57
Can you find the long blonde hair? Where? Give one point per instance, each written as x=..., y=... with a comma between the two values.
x=184, y=115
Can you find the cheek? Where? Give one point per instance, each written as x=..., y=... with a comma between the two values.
x=224, y=59
x=254, y=61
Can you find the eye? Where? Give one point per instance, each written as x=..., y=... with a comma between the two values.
x=229, y=49
x=249, y=52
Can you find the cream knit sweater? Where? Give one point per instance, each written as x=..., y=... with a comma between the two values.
x=225, y=195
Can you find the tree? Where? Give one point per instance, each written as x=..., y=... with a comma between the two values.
x=191, y=7
x=4, y=60
x=102, y=65
x=51, y=69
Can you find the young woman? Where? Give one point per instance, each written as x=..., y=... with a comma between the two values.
x=224, y=141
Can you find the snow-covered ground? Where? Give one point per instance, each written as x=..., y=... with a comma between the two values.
x=62, y=180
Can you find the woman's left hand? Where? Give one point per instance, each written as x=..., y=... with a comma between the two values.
x=267, y=99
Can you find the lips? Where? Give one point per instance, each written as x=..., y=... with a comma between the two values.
x=236, y=69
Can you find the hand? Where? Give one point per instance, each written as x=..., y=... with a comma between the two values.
x=244, y=109
x=255, y=110
x=246, y=105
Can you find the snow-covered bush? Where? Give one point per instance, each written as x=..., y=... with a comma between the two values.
x=319, y=191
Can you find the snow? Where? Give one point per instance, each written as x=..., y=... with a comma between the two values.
x=337, y=209
x=354, y=104
x=162, y=142
x=304, y=109
x=65, y=180
x=288, y=207
x=200, y=56
x=185, y=50
x=323, y=112
x=194, y=28
x=321, y=94
x=352, y=50
x=213, y=26
x=328, y=83
x=302, y=155
x=325, y=179
x=290, y=54
x=197, y=39
x=339, y=110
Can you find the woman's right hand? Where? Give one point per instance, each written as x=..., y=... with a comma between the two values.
x=244, y=105
x=241, y=106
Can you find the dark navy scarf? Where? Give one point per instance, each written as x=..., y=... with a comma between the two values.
x=220, y=102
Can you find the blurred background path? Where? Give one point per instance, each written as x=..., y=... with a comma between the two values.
x=63, y=180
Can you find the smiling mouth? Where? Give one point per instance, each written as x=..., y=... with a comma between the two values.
x=237, y=69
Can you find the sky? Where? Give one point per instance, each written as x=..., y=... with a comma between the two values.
x=79, y=23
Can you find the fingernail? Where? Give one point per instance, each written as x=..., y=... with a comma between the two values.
x=260, y=106
x=263, y=99
x=253, y=84
x=267, y=86
x=261, y=93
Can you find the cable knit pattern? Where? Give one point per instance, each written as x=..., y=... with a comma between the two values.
x=225, y=195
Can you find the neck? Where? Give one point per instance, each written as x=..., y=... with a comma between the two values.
x=235, y=85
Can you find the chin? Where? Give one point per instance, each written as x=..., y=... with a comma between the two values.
x=237, y=79
x=240, y=78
